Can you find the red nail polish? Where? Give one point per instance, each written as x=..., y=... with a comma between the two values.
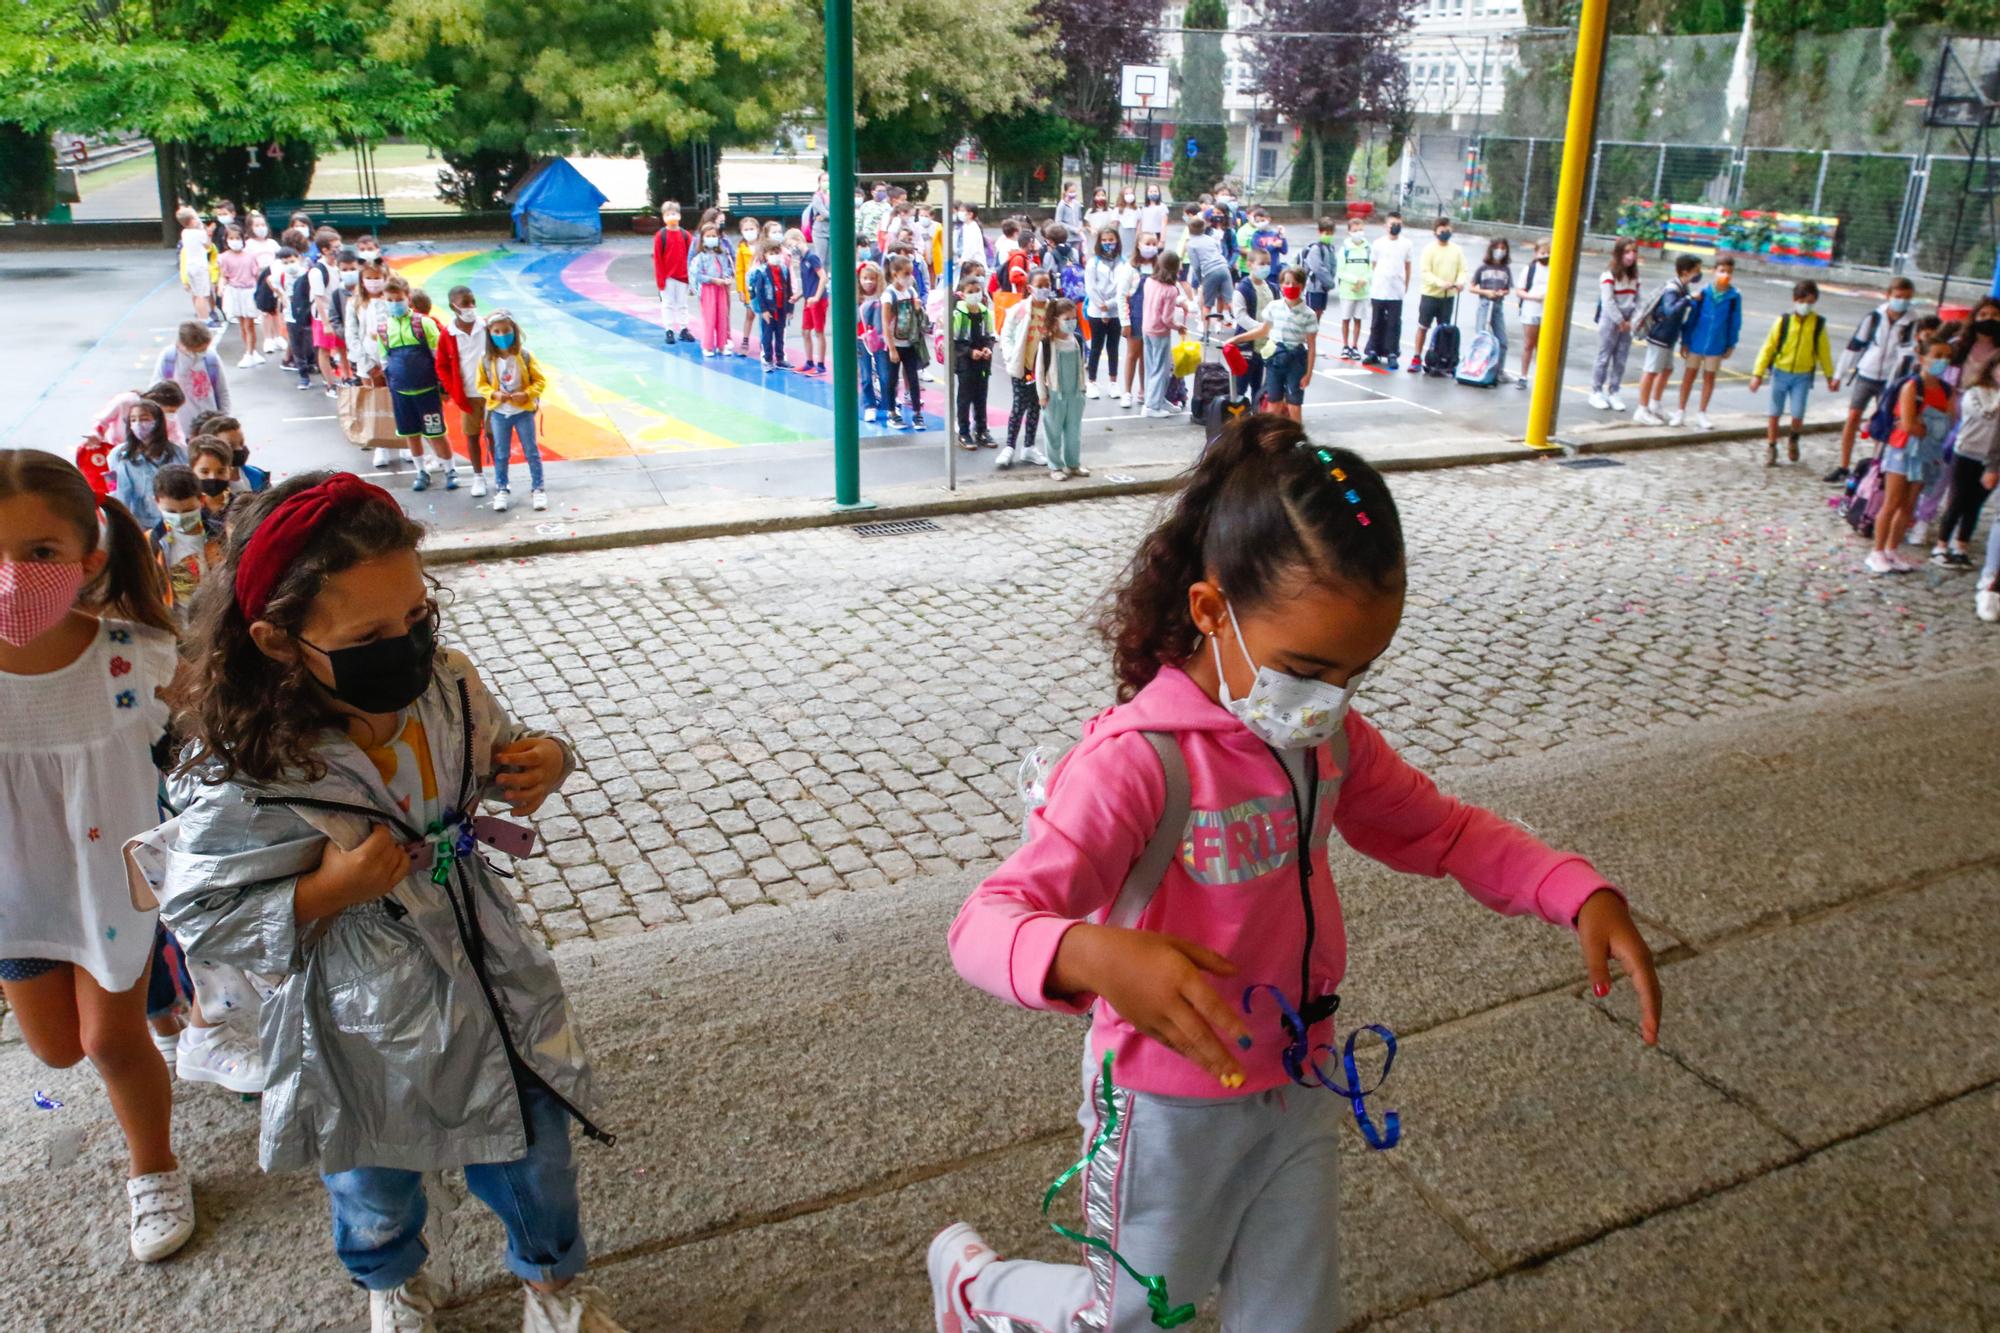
x=1601, y=988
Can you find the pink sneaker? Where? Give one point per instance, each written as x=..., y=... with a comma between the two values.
x=957, y=1255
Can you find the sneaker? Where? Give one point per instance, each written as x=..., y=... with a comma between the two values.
x=404, y=1309
x=331, y=392
x=1161, y=412
x=169, y=1044
x=1645, y=416
x=709, y=351
x=965, y=443
x=727, y=350
x=577, y=1308
x=423, y=481
x=1371, y=360
x=1079, y=471
x=538, y=500
x=896, y=417
x=1837, y=477
x=1791, y=449
x=1617, y=403
x=1090, y=391
x=385, y=457
x=247, y=361
x=1125, y=399
x=257, y=358
x=304, y=385
x=451, y=478
x=1771, y=454
x=1057, y=474
x=1986, y=605
x=985, y=441
x=479, y=485
x=224, y=1055
x=1676, y=417
x=1903, y=564
x=1521, y=382
x=1701, y=421
x=768, y=367
x=957, y=1255
x=501, y=501
x=1416, y=363
x=1878, y=563
x=1599, y=401
x=1030, y=454
x=1958, y=559
x=432, y=463
x=162, y=1213
x=1004, y=459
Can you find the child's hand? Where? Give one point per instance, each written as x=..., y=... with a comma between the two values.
x=1755, y=380
x=1604, y=930
x=537, y=771
x=1155, y=983
x=371, y=870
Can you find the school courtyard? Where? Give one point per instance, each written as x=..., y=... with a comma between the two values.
x=799, y=752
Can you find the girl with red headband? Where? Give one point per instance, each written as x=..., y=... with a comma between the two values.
x=331, y=835
x=86, y=646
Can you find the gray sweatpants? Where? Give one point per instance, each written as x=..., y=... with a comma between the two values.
x=1236, y=1192
x=1613, y=346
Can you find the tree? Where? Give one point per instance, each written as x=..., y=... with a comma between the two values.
x=925, y=72
x=1330, y=86
x=1202, y=65
x=1014, y=145
x=27, y=173
x=1091, y=40
x=652, y=76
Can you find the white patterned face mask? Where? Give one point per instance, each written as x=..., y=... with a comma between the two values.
x=1285, y=712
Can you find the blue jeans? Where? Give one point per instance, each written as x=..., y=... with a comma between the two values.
x=885, y=382
x=378, y=1212
x=1789, y=387
x=507, y=427
x=870, y=383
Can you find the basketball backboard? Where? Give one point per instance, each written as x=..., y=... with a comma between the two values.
x=1142, y=87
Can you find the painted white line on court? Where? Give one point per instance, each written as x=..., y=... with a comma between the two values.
x=330, y=416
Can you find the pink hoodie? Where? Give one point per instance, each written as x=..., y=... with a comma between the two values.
x=1235, y=886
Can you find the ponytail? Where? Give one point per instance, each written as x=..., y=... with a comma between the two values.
x=130, y=586
x=1263, y=504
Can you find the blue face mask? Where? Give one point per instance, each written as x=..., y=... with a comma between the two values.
x=1900, y=304
x=503, y=341
x=1939, y=366
x=398, y=309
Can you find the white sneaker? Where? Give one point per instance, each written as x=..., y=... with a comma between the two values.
x=385, y=457
x=1645, y=416
x=500, y=502
x=1599, y=401
x=577, y=1308
x=162, y=1213
x=1057, y=474
x=1125, y=399
x=1676, y=417
x=257, y=359
x=1090, y=390
x=957, y=1255
x=247, y=361
x=404, y=1309
x=1617, y=403
x=538, y=501
x=1079, y=472
x=479, y=485
x=225, y=1055
x=1701, y=421
x=1004, y=459
x=1878, y=563
x=432, y=463
x=1030, y=454
x=1160, y=412
x=1986, y=604
x=170, y=1046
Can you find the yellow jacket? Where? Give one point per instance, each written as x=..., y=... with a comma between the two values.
x=746, y=260
x=533, y=382
x=1805, y=344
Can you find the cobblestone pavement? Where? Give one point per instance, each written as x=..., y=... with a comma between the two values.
x=766, y=718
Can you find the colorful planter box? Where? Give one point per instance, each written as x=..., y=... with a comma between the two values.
x=1705, y=229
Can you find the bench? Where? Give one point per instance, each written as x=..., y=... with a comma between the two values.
x=363, y=212
x=774, y=203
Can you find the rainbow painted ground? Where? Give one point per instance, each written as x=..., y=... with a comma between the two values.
x=615, y=389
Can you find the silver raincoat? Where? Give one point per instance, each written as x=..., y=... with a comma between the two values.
x=404, y=1029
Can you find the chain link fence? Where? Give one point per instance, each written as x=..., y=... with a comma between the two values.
x=1880, y=211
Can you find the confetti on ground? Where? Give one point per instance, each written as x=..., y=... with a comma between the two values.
x=47, y=1102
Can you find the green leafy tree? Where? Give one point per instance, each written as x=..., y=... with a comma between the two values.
x=27, y=173
x=1201, y=68
x=924, y=73
x=1330, y=86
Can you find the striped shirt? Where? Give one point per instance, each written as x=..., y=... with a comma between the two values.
x=1293, y=323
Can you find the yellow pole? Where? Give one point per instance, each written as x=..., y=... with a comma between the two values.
x=1567, y=242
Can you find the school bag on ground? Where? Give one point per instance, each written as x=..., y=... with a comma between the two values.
x=1480, y=366
x=1221, y=411
x=1211, y=384
x=1441, y=352
x=1864, y=496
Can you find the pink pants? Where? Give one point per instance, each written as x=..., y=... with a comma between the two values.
x=714, y=316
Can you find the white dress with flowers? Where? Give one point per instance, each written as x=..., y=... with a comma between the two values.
x=76, y=780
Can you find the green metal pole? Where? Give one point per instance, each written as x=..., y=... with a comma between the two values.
x=840, y=262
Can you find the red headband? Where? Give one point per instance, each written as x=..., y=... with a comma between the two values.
x=286, y=530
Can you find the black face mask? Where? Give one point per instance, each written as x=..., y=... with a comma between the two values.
x=385, y=676
x=239, y=457
x=1988, y=329
x=212, y=485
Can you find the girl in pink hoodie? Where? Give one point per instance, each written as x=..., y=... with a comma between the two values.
x=1164, y=887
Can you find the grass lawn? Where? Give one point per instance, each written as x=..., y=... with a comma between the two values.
x=118, y=172
x=405, y=177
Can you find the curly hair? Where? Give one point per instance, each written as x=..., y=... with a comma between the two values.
x=248, y=714
x=1263, y=506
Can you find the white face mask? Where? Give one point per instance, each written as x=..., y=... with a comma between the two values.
x=259, y=230
x=1066, y=327
x=1802, y=307
x=1285, y=712
x=235, y=243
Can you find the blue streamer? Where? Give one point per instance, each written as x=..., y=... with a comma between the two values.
x=1302, y=1063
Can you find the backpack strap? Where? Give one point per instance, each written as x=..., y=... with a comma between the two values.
x=1144, y=879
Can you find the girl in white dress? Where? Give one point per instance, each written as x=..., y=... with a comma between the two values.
x=85, y=649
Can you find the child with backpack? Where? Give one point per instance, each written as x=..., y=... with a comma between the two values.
x=672, y=249
x=146, y=449
x=1617, y=306
x=86, y=652
x=1708, y=339
x=1020, y=351
x=1926, y=406
x=771, y=299
x=1293, y=346
x=1176, y=886
x=404, y=345
x=1661, y=325
x=972, y=342
x=904, y=334
x=814, y=300
x=1321, y=262
x=192, y=363
x=1059, y=381
x=331, y=835
x=1250, y=305
x=1533, y=295
x=1354, y=280
x=1796, y=344
x=1493, y=283
x=713, y=273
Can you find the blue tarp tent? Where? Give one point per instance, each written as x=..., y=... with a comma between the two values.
x=557, y=206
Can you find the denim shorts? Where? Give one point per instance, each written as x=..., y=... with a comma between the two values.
x=1914, y=461
x=1789, y=387
x=1283, y=370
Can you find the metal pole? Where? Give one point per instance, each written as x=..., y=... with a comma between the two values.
x=1566, y=242
x=1527, y=174
x=840, y=168
x=1660, y=174
x=1819, y=185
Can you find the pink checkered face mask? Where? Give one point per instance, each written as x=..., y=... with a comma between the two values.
x=34, y=598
